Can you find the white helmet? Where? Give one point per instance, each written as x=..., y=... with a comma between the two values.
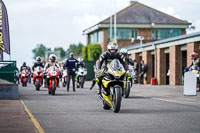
x=80, y=59
x=124, y=51
x=112, y=46
x=52, y=57
x=38, y=58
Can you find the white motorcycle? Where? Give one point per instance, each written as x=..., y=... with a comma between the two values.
x=82, y=72
x=133, y=75
x=64, y=77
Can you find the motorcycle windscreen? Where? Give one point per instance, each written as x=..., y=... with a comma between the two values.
x=116, y=65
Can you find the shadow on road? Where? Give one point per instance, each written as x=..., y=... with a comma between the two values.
x=151, y=111
x=138, y=97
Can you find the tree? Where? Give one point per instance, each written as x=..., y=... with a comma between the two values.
x=63, y=53
x=76, y=49
x=40, y=50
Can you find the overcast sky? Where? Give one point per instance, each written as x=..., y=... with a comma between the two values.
x=57, y=23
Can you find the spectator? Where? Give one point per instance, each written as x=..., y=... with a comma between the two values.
x=143, y=71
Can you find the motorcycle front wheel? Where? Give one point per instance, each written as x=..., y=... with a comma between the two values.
x=117, y=99
x=127, y=90
x=82, y=83
x=53, y=88
x=38, y=85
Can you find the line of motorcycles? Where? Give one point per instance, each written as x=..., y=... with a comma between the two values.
x=115, y=84
x=52, y=75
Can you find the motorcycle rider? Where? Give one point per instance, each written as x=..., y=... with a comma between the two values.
x=38, y=63
x=79, y=64
x=52, y=62
x=106, y=58
x=23, y=67
x=195, y=60
x=128, y=59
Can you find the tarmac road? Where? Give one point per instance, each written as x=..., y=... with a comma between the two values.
x=159, y=109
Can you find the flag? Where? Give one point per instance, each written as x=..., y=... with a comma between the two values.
x=4, y=29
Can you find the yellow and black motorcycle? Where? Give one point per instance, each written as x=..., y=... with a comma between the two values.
x=113, y=85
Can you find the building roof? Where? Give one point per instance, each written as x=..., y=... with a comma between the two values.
x=138, y=13
x=182, y=39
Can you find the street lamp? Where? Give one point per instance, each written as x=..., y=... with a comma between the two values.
x=141, y=38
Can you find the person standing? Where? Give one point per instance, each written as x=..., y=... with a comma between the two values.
x=70, y=65
x=143, y=71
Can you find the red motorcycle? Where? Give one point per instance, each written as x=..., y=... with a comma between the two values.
x=24, y=77
x=38, y=76
x=52, y=79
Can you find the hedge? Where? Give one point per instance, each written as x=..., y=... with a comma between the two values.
x=93, y=52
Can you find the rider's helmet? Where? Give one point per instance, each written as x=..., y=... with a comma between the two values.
x=124, y=51
x=52, y=58
x=80, y=60
x=38, y=59
x=24, y=64
x=112, y=48
x=193, y=55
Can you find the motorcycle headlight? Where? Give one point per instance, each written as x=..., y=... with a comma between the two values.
x=117, y=77
x=53, y=73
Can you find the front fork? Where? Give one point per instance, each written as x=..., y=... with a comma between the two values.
x=50, y=82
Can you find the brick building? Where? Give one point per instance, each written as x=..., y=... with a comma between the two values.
x=164, y=55
x=136, y=20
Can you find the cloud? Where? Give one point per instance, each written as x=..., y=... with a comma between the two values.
x=61, y=22
x=169, y=10
x=88, y=20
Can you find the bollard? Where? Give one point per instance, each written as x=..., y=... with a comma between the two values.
x=190, y=81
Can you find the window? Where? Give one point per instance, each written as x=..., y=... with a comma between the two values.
x=93, y=38
x=100, y=36
x=124, y=33
x=158, y=34
x=134, y=33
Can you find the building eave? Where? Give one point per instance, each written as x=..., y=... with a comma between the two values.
x=181, y=26
x=180, y=40
x=148, y=26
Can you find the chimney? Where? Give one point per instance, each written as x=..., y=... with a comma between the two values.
x=132, y=2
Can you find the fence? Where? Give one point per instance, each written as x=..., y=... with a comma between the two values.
x=8, y=71
x=90, y=68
